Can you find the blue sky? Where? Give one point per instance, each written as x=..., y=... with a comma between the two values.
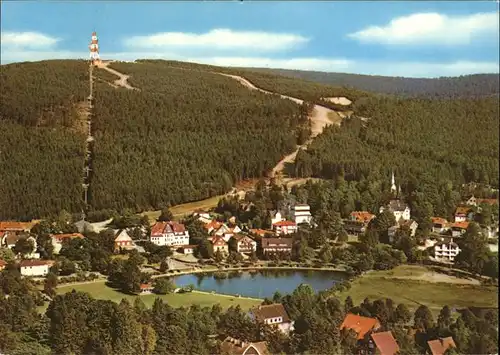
x=418, y=39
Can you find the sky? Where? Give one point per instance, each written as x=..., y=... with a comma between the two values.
x=411, y=39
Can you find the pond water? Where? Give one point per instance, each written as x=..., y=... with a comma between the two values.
x=261, y=283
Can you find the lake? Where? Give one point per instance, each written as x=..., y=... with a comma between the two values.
x=261, y=283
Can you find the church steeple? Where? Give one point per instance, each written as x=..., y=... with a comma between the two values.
x=394, y=189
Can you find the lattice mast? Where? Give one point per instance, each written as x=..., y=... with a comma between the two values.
x=94, y=49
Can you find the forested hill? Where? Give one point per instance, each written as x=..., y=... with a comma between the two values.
x=186, y=135
x=468, y=86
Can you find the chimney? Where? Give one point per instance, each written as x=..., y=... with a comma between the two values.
x=243, y=344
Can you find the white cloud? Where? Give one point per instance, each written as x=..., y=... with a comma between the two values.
x=218, y=39
x=27, y=40
x=342, y=65
x=431, y=28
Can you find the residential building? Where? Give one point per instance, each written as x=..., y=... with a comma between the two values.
x=446, y=251
x=8, y=239
x=187, y=249
x=213, y=225
x=458, y=228
x=302, y=214
x=399, y=209
x=203, y=217
x=439, y=346
x=363, y=326
x=227, y=232
x=277, y=245
x=439, y=225
x=244, y=244
x=385, y=343
x=463, y=214
x=3, y=264
x=35, y=267
x=488, y=201
x=12, y=226
x=238, y=347
x=409, y=224
x=123, y=241
x=169, y=233
x=273, y=314
x=355, y=228
x=218, y=243
x=58, y=239
x=361, y=216
x=471, y=201
x=146, y=289
x=284, y=227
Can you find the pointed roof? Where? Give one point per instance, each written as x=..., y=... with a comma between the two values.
x=439, y=346
x=385, y=343
x=122, y=236
x=361, y=325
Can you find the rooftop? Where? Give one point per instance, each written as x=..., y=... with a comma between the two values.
x=361, y=325
x=439, y=346
x=385, y=343
x=267, y=311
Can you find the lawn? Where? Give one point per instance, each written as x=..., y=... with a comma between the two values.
x=413, y=293
x=100, y=291
x=180, y=211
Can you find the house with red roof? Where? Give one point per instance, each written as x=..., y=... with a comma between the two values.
x=361, y=216
x=385, y=343
x=439, y=346
x=277, y=245
x=218, y=243
x=439, y=225
x=284, y=227
x=146, y=289
x=244, y=244
x=363, y=326
x=463, y=213
x=3, y=264
x=169, y=233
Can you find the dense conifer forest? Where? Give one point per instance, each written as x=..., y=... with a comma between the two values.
x=185, y=136
x=478, y=85
x=42, y=152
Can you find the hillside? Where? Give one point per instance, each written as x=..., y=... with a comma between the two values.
x=468, y=86
x=42, y=150
x=184, y=136
x=432, y=145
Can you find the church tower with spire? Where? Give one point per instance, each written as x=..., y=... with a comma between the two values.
x=394, y=189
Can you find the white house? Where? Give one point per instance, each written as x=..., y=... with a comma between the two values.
x=463, y=214
x=244, y=244
x=276, y=217
x=218, y=243
x=302, y=214
x=273, y=314
x=123, y=241
x=35, y=267
x=446, y=251
x=284, y=227
x=169, y=233
x=399, y=209
x=227, y=232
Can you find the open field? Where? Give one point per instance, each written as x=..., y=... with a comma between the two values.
x=180, y=211
x=100, y=291
x=405, y=284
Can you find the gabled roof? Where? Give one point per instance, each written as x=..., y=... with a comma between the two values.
x=439, y=220
x=462, y=210
x=15, y=226
x=461, y=225
x=489, y=201
x=212, y=225
x=35, y=262
x=3, y=263
x=362, y=216
x=235, y=346
x=439, y=346
x=284, y=224
x=361, y=325
x=261, y=232
x=167, y=227
x=243, y=238
x=122, y=236
x=218, y=241
x=263, y=312
x=385, y=343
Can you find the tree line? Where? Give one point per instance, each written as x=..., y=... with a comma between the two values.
x=76, y=323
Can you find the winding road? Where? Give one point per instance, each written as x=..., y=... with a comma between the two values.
x=123, y=79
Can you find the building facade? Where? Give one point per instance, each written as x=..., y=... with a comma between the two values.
x=169, y=233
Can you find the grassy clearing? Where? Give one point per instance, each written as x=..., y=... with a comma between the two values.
x=180, y=211
x=413, y=293
x=100, y=291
